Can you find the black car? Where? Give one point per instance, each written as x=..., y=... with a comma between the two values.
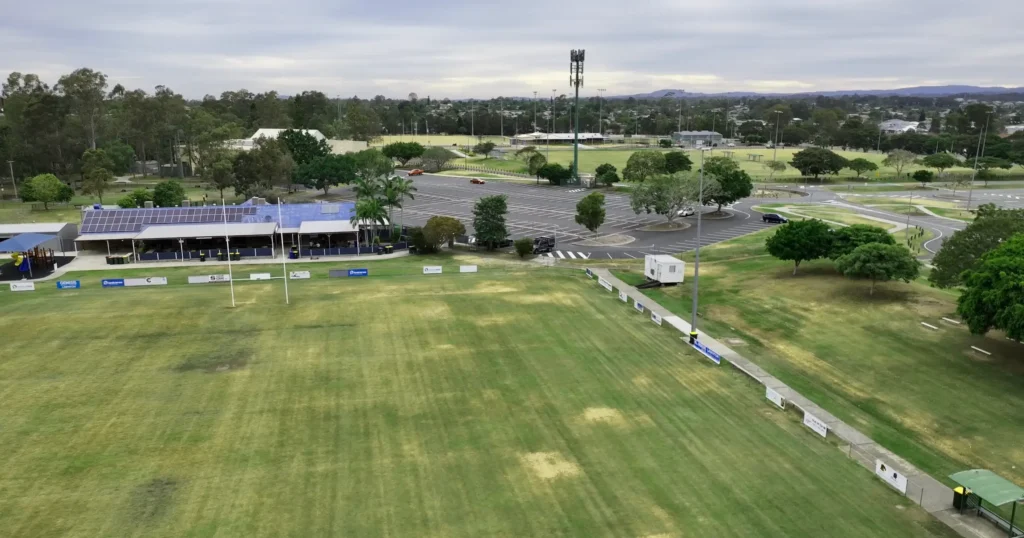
x=774, y=217
x=543, y=244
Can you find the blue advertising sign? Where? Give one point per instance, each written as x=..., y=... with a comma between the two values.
x=707, y=352
x=112, y=282
x=358, y=272
x=68, y=284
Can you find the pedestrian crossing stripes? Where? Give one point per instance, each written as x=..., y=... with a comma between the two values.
x=577, y=190
x=568, y=255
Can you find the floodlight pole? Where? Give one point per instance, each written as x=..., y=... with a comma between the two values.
x=227, y=243
x=576, y=58
x=775, y=145
x=981, y=138
x=696, y=259
x=284, y=255
x=600, y=111
x=535, y=110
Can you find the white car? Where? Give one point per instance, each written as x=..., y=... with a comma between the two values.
x=685, y=212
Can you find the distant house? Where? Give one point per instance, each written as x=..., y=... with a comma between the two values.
x=271, y=134
x=899, y=126
x=535, y=138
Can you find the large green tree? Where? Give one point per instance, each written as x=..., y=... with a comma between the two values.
x=168, y=194
x=861, y=165
x=489, y=220
x=442, y=229
x=324, y=172
x=733, y=184
x=940, y=161
x=666, y=195
x=817, y=161
x=899, y=159
x=304, y=147
x=403, y=152
x=644, y=164
x=536, y=163
x=845, y=240
x=222, y=175
x=677, y=161
x=436, y=159
x=993, y=297
x=555, y=173
x=96, y=181
x=799, y=241
x=964, y=250
x=85, y=90
x=46, y=188
x=590, y=211
x=484, y=148
x=878, y=262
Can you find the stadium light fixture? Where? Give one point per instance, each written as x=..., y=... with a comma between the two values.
x=576, y=58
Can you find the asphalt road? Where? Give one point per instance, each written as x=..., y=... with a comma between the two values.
x=536, y=210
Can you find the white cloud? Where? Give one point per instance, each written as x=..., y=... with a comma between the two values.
x=456, y=48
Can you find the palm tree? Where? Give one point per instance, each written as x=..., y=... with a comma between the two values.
x=366, y=188
x=405, y=189
x=390, y=196
x=369, y=211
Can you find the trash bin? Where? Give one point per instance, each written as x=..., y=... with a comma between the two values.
x=389, y=249
x=236, y=256
x=221, y=256
x=959, y=497
x=293, y=254
x=202, y=256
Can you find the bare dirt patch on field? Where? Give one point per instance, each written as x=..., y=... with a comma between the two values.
x=549, y=465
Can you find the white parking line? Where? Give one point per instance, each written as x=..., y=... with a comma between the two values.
x=630, y=255
x=584, y=256
x=559, y=252
x=571, y=255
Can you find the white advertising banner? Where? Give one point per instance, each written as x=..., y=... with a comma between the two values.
x=623, y=297
x=774, y=397
x=604, y=283
x=260, y=276
x=891, y=476
x=148, y=281
x=432, y=269
x=638, y=306
x=23, y=286
x=815, y=424
x=655, y=317
x=205, y=279
x=467, y=269
x=299, y=275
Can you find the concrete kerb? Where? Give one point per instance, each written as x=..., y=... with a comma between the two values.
x=933, y=496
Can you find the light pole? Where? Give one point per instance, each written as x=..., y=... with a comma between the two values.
x=981, y=138
x=472, y=120
x=576, y=59
x=775, y=145
x=535, y=111
x=501, y=120
x=551, y=130
x=600, y=110
x=696, y=257
x=10, y=165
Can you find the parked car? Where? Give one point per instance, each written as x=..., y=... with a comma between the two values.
x=774, y=217
x=477, y=181
x=685, y=212
x=415, y=172
x=543, y=244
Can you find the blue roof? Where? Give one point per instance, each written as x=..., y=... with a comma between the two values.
x=24, y=242
x=136, y=220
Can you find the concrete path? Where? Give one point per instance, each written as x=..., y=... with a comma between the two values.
x=935, y=497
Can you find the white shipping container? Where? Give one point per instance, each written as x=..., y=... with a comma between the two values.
x=664, y=269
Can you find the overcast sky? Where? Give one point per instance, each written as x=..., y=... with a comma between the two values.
x=458, y=48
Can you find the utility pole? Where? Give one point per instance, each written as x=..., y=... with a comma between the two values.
x=981, y=138
x=679, y=126
x=501, y=120
x=576, y=58
x=775, y=145
x=547, y=150
x=10, y=165
x=472, y=120
x=696, y=259
x=600, y=110
x=535, y=110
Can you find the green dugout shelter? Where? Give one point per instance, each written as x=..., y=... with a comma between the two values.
x=984, y=486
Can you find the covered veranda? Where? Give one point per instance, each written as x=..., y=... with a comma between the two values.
x=980, y=487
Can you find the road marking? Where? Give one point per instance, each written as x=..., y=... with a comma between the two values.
x=951, y=320
x=610, y=256
x=571, y=255
x=559, y=252
x=630, y=255
x=981, y=350
x=550, y=255
x=584, y=256
x=932, y=327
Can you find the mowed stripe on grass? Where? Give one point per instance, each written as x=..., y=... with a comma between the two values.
x=461, y=405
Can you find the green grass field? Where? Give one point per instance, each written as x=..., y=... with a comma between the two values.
x=923, y=394
x=512, y=402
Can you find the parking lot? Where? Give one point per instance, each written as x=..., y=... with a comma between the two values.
x=536, y=210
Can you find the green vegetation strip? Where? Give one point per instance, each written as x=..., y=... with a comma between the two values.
x=534, y=404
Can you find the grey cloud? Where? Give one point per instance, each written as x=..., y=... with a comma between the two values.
x=452, y=48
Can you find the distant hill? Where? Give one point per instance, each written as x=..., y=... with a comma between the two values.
x=916, y=91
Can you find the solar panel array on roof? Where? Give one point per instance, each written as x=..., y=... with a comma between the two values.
x=134, y=220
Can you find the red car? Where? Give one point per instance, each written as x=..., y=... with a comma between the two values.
x=477, y=181
x=416, y=172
